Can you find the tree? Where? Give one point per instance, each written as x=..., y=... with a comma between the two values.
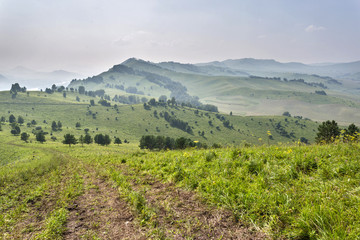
x=77, y=125
x=25, y=136
x=15, y=129
x=20, y=120
x=69, y=139
x=107, y=140
x=40, y=137
x=352, y=130
x=286, y=114
x=77, y=99
x=81, y=90
x=64, y=94
x=12, y=118
x=327, y=132
x=117, y=141
x=92, y=102
x=88, y=139
x=59, y=125
x=81, y=140
x=54, y=126
x=33, y=122
x=102, y=139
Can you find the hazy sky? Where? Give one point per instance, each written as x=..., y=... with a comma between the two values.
x=90, y=36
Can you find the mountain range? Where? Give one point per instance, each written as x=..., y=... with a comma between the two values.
x=243, y=86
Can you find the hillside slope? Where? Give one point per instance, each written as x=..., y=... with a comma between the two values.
x=247, y=96
x=133, y=121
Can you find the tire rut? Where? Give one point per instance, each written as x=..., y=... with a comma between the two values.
x=100, y=213
x=184, y=215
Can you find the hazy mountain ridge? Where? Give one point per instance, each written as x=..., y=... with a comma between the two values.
x=270, y=65
x=33, y=79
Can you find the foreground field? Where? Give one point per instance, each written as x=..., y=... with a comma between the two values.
x=51, y=191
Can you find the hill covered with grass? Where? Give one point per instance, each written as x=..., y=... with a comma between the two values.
x=261, y=92
x=131, y=122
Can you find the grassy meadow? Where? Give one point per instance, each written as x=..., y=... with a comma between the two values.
x=130, y=122
x=284, y=191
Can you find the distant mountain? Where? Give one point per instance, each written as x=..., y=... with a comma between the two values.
x=2, y=77
x=203, y=70
x=33, y=79
x=251, y=64
x=271, y=66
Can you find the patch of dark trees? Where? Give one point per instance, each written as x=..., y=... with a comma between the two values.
x=329, y=80
x=225, y=121
x=152, y=142
x=321, y=93
x=173, y=102
x=177, y=123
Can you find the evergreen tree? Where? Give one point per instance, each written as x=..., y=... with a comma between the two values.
x=25, y=136
x=59, y=125
x=12, y=118
x=327, y=132
x=69, y=139
x=352, y=130
x=40, y=136
x=117, y=141
x=88, y=139
x=54, y=126
x=20, y=120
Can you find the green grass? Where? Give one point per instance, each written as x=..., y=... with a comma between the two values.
x=294, y=192
x=288, y=191
x=132, y=122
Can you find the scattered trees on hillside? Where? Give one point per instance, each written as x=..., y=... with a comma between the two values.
x=15, y=88
x=177, y=123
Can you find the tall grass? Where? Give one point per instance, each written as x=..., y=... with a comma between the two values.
x=302, y=192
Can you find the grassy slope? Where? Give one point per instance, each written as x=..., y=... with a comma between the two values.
x=296, y=192
x=131, y=122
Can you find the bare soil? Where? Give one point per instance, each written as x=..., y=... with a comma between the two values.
x=99, y=212
x=184, y=215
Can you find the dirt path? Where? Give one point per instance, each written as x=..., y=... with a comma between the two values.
x=184, y=215
x=100, y=213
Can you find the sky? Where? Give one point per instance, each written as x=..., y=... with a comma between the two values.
x=90, y=36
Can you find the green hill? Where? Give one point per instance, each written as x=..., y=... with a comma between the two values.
x=243, y=95
x=133, y=121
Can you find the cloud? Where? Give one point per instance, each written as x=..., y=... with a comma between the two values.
x=314, y=28
x=132, y=37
